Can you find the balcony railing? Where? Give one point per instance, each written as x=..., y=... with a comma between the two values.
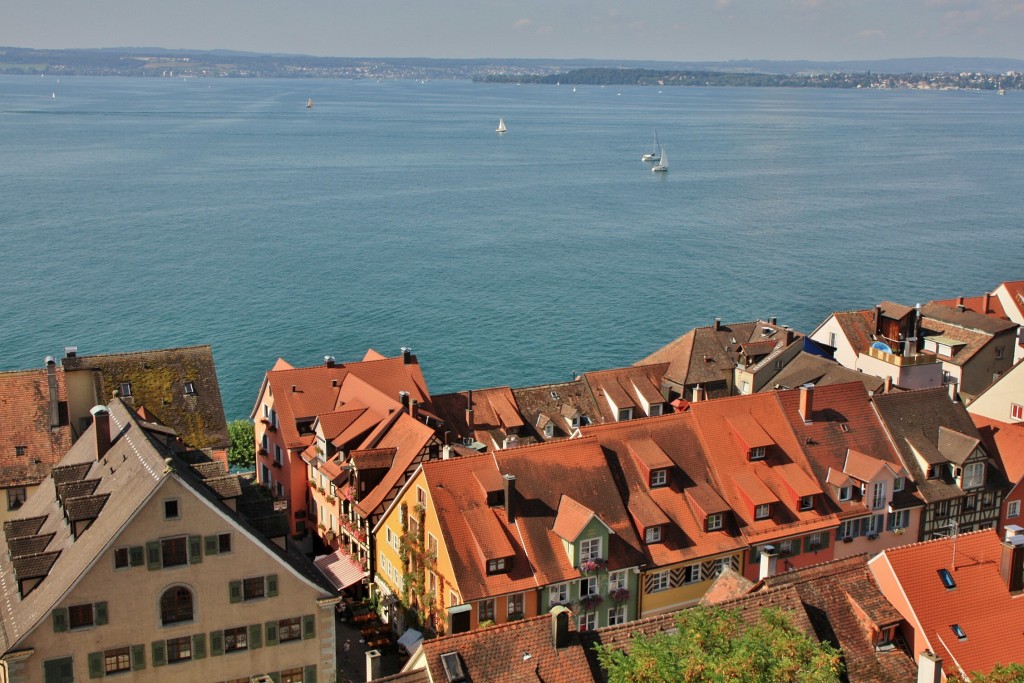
x=901, y=361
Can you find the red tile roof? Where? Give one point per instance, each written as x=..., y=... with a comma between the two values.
x=1006, y=441
x=571, y=519
x=986, y=304
x=25, y=413
x=631, y=387
x=409, y=438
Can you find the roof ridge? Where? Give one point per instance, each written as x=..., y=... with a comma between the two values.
x=138, y=353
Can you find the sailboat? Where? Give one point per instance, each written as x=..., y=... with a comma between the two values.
x=662, y=164
x=654, y=154
x=501, y=126
x=309, y=103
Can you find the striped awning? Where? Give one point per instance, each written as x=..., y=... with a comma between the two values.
x=340, y=569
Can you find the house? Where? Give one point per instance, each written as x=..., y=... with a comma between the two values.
x=725, y=359
x=557, y=411
x=958, y=597
x=505, y=535
x=1011, y=299
x=857, y=466
x=1003, y=400
x=960, y=482
x=808, y=368
x=36, y=434
x=483, y=419
x=628, y=393
x=175, y=387
x=1006, y=442
x=131, y=558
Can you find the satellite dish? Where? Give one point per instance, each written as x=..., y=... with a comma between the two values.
x=881, y=346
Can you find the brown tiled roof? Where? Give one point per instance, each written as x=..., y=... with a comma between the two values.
x=1006, y=441
x=491, y=540
x=73, y=472
x=557, y=403
x=34, y=566
x=77, y=489
x=28, y=545
x=25, y=413
x=986, y=304
x=630, y=387
x=807, y=368
x=409, y=438
x=158, y=383
x=967, y=320
x=23, y=526
x=495, y=414
x=374, y=458
x=89, y=507
x=211, y=468
x=227, y=486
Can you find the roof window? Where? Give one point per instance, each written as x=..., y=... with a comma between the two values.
x=947, y=579
x=960, y=633
x=190, y=389
x=453, y=670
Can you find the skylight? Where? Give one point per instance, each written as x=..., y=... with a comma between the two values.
x=960, y=634
x=947, y=579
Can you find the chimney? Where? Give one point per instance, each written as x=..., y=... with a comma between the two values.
x=414, y=409
x=510, y=497
x=888, y=384
x=698, y=394
x=560, y=627
x=101, y=425
x=718, y=325
x=929, y=668
x=295, y=388
x=806, y=402
x=917, y=324
x=878, y=320
x=469, y=414
x=789, y=336
x=952, y=390
x=769, y=562
x=985, y=302
x=446, y=452
x=51, y=380
x=403, y=398
x=772, y=320
x=70, y=351
x=1011, y=562
x=406, y=355
x=329, y=361
x=372, y=665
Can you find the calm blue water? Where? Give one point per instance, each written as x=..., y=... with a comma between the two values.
x=139, y=213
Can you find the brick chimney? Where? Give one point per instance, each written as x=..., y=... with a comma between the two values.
x=51, y=381
x=769, y=562
x=1011, y=562
x=403, y=398
x=985, y=302
x=101, y=426
x=560, y=627
x=717, y=325
x=888, y=384
x=510, y=497
x=806, y=402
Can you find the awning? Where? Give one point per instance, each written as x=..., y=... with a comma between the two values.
x=340, y=569
x=410, y=640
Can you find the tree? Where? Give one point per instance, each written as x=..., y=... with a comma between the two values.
x=242, y=452
x=1002, y=673
x=715, y=644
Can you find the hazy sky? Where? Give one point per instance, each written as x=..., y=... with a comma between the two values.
x=669, y=30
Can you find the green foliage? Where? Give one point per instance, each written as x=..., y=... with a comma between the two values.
x=242, y=452
x=1002, y=673
x=716, y=645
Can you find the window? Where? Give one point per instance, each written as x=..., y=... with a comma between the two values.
x=20, y=450
x=970, y=502
x=119, y=659
x=486, y=608
x=959, y=632
x=814, y=541
x=80, y=616
x=171, y=510
x=289, y=629
x=652, y=534
x=757, y=453
x=126, y=389
x=715, y=521
x=16, y=497
x=878, y=495
x=174, y=551
x=588, y=586
x=658, y=582
x=1013, y=508
x=235, y=639
x=176, y=605
x=557, y=595
x=691, y=574
x=224, y=543
x=421, y=497
x=999, y=352
x=899, y=519
x=845, y=493
x=806, y=503
x=625, y=414
x=1016, y=411
x=789, y=547
x=974, y=475
x=179, y=649
x=745, y=387
x=846, y=529
x=279, y=489
x=253, y=588
x=617, y=615
x=659, y=478
x=190, y=389
x=549, y=430
x=292, y=675
x=763, y=511
x=587, y=622
x=496, y=566
x=617, y=580
x=120, y=558
x=590, y=549
x=265, y=476
x=432, y=544
x=898, y=484
x=656, y=409
x=515, y=604
x=277, y=456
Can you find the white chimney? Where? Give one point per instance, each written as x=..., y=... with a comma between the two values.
x=769, y=562
x=929, y=668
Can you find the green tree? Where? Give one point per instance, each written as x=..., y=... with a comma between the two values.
x=242, y=452
x=1002, y=673
x=716, y=645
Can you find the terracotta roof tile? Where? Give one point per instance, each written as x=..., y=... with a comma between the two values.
x=560, y=404
x=571, y=518
x=630, y=387
x=1006, y=440
x=492, y=542
x=409, y=438
x=30, y=444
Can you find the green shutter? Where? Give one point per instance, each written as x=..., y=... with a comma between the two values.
x=272, y=586
x=195, y=549
x=308, y=626
x=309, y=674
x=199, y=646
x=824, y=539
x=807, y=544
x=99, y=610
x=153, y=555
x=60, y=619
x=96, y=665
x=159, y=653
x=216, y=643
x=275, y=676
x=797, y=548
x=255, y=636
x=271, y=632
x=235, y=591
x=136, y=556
x=138, y=657
x=212, y=545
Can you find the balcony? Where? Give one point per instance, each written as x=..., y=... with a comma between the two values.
x=900, y=361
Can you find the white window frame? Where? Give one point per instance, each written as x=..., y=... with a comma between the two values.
x=845, y=529
x=845, y=493
x=590, y=549
x=815, y=541
x=558, y=594
x=968, y=482
x=901, y=519
x=660, y=581
x=715, y=520
x=1016, y=411
x=762, y=511
x=659, y=478
x=588, y=586
x=1013, y=508
x=806, y=503
x=625, y=414
x=898, y=484
x=549, y=430
x=656, y=409
x=758, y=453
x=617, y=615
x=587, y=621
x=692, y=574
x=878, y=499
x=618, y=579
x=652, y=534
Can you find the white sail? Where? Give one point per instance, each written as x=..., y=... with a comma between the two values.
x=662, y=164
x=501, y=125
x=653, y=155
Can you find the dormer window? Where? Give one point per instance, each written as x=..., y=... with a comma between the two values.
x=659, y=478
x=126, y=389
x=763, y=511
x=498, y=566
x=590, y=549
x=885, y=638
x=898, y=484
x=806, y=503
x=845, y=493
x=757, y=453
x=576, y=421
x=652, y=534
x=935, y=471
x=190, y=389
x=549, y=430
x=947, y=579
x=959, y=632
x=625, y=414
x=714, y=521
x=973, y=476
x=656, y=409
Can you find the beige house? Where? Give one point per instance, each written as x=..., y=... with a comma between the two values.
x=1003, y=400
x=131, y=562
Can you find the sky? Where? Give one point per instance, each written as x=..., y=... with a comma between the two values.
x=663, y=30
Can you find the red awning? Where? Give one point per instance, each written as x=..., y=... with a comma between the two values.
x=340, y=569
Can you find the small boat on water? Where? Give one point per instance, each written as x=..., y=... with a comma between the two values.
x=1002, y=91
x=501, y=126
x=662, y=164
x=309, y=104
x=655, y=153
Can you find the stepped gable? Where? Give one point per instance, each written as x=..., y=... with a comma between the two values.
x=177, y=386
x=567, y=406
x=689, y=496
x=807, y=368
x=36, y=432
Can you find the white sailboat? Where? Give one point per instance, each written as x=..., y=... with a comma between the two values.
x=501, y=126
x=662, y=164
x=654, y=154
x=309, y=103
